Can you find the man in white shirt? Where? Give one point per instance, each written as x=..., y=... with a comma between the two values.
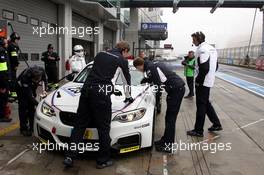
x=77, y=61
x=207, y=66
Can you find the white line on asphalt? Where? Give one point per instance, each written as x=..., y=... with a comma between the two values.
x=238, y=85
x=15, y=158
x=244, y=75
x=247, y=125
x=165, y=165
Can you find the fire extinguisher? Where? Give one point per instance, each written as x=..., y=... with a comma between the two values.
x=7, y=111
x=67, y=66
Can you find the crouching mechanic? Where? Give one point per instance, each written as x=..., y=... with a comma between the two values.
x=95, y=102
x=26, y=86
x=77, y=61
x=161, y=75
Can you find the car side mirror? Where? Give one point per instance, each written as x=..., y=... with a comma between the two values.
x=70, y=77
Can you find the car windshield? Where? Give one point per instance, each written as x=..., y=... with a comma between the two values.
x=136, y=76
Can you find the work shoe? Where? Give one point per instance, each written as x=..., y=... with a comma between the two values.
x=104, y=165
x=68, y=162
x=215, y=128
x=26, y=133
x=163, y=148
x=189, y=96
x=194, y=133
x=5, y=119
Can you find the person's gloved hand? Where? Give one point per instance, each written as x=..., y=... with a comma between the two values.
x=117, y=92
x=129, y=100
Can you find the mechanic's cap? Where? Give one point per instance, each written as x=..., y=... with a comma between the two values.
x=199, y=36
x=123, y=45
x=14, y=36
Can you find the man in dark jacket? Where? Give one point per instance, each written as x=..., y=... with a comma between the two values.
x=4, y=77
x=159, y=74
x=50, y=59
x=95, y=102
x=27, y=83
x=13, y=54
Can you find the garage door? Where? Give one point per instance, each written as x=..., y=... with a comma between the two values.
x=87, y=41
x=108, y=38
x=26, y=14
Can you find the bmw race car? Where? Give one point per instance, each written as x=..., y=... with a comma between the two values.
x=131, y=126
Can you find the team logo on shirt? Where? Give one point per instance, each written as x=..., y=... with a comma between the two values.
x=148, y=73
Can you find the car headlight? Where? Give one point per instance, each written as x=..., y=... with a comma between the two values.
x=47, y=110
x=130, y=116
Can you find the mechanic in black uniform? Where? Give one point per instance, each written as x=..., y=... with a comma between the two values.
x=95, y=102
x=159, y=74
x=50, y=59
x=27, y=83
x=4, y=77
x=13, y=50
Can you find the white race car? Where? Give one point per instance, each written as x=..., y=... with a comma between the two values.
x=131, y=126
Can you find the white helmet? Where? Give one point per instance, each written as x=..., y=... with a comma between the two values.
x=78, y=50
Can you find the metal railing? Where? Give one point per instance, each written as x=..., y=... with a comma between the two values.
x=238, y=55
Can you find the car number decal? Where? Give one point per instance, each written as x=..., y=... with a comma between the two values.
x=73, y=91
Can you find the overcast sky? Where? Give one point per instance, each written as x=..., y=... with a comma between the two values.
x=225, y=28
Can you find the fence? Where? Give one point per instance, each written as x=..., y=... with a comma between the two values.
x=238, y=55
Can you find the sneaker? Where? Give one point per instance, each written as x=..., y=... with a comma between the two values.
x=215, y=128
x=68, y=162
x=194, y=133
x=104, y=165
x=189, y=96
x=5, y=119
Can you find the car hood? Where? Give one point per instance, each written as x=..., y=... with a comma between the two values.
x=66, y=98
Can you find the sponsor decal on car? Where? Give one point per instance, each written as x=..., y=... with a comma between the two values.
x=73, y=91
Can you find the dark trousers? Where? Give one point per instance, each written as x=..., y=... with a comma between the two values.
x=3, y=96
x=95, y=107
x=190, y=82
x=52, y=74
x=204, y=107
x=174, y=99
x=12, y=85
x=26, y=109
x=3, y=103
